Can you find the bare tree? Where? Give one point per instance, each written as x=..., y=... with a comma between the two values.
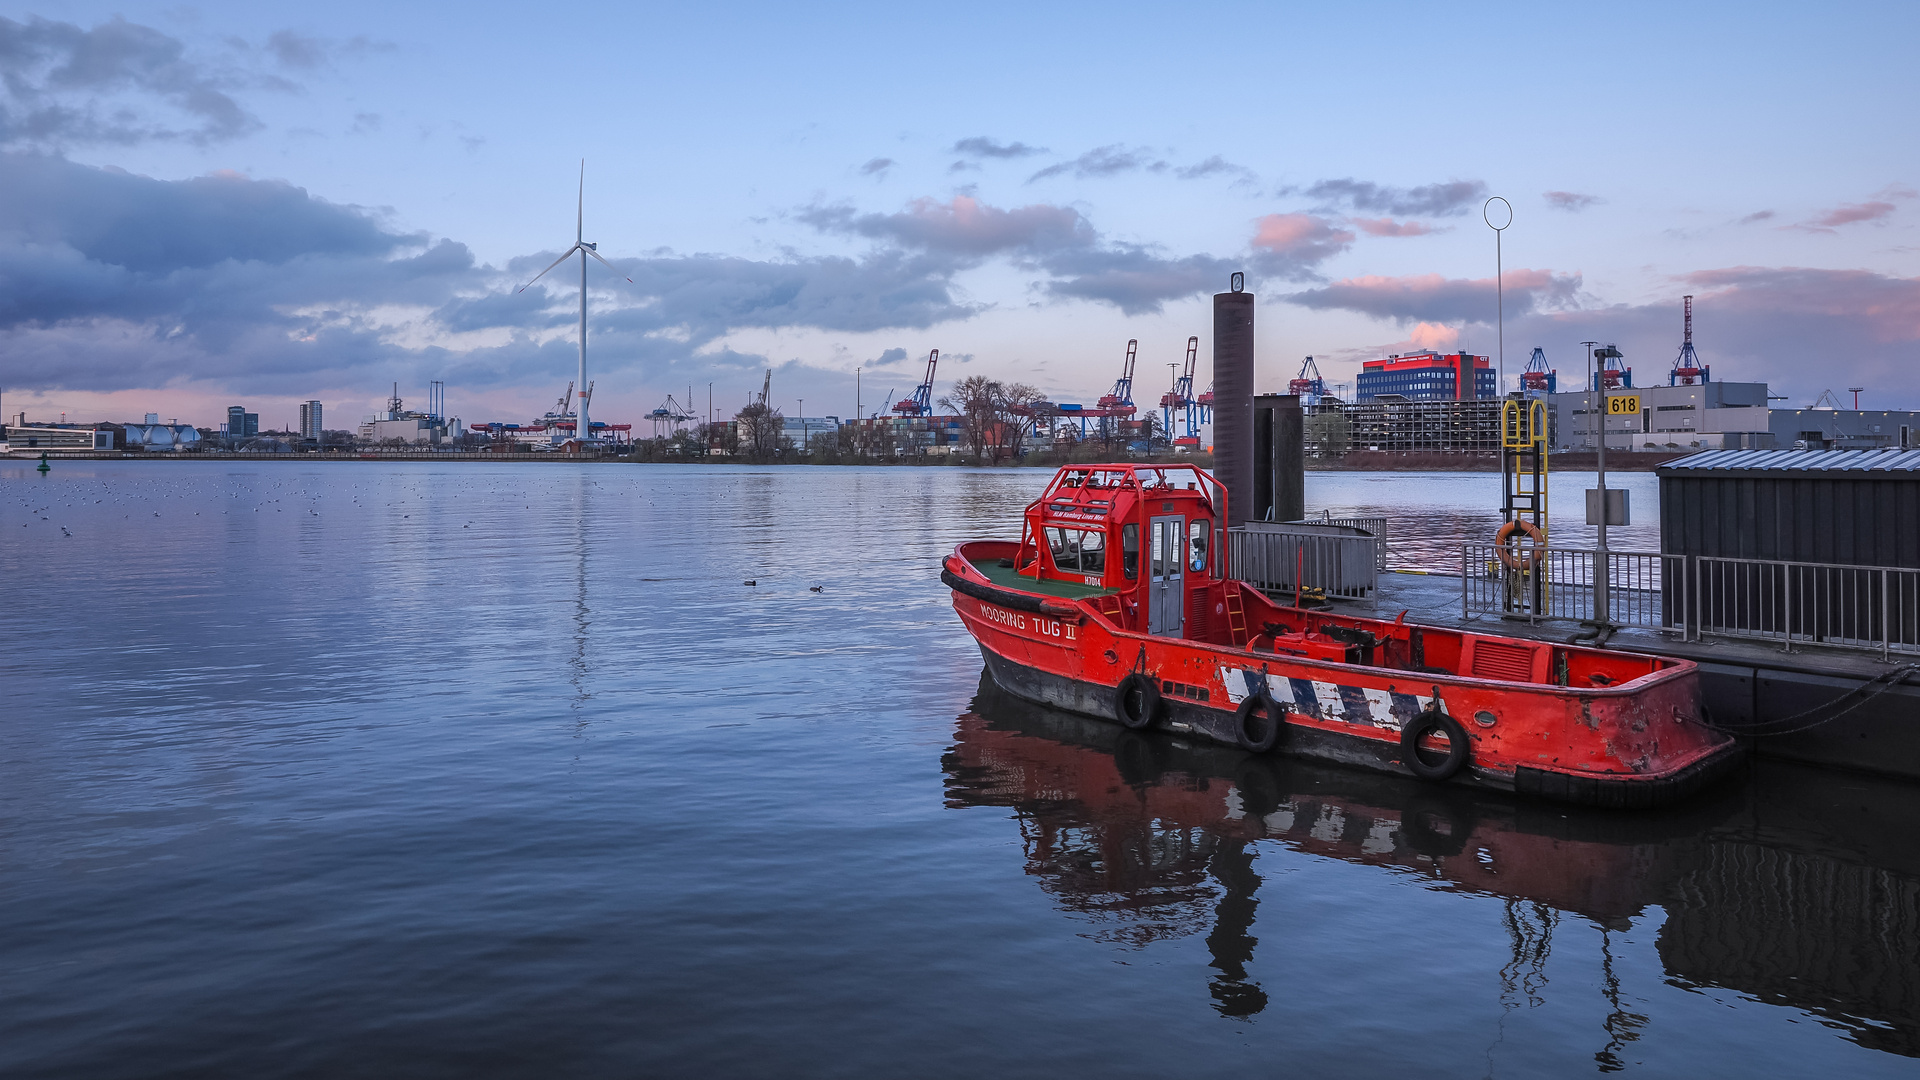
x=1017, y=403
x=976, y=400
x=760, y=431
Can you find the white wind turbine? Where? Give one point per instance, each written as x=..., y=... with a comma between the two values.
x=583, y=430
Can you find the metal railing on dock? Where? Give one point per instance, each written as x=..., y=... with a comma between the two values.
x=1550, y=583
x=1869, y=608
x=1855, y=607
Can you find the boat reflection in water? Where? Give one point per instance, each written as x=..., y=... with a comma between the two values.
x=1796, y=889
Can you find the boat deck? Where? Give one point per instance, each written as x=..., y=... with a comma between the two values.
x=1008, y=578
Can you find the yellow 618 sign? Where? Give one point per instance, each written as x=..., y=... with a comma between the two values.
x=1627, y=405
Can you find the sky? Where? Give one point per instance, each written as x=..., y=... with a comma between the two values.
x=254, y=204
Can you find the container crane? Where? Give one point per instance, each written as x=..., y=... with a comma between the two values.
x=668, y=418
x=1687, y=367
x=1309, y=390
x=921, y=403
x=1181, y=396
x=1117, y=404
x=1538, y=378
x=1613, y=373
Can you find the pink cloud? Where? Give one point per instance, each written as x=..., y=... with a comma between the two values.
x=1434, y=336
x=1386, y=226
x=1435, y=299
x=964, y=225
x=1290, y=245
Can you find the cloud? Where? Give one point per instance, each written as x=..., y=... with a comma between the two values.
x=1102, y=161
x=1056, y=240
x=1389, y=227
x=305, y=52
x=1429, y=200
x=876, y=165
x=1432, y=298
x=110, y=280
x=1134, y=278
x=1848, y=214
x=980, y=146
x=1290, y=246
x=117, y=83
x=1879, y=208
x=1757, y=215
x=1570, y=201
x=963, y=226
x=297, y=50
x=1216, y=166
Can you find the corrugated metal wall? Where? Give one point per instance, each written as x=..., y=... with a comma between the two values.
x=1862, y=519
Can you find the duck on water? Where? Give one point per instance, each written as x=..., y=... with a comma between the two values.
x=1117, y=602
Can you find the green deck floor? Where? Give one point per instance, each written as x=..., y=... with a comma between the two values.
x=1007, y=577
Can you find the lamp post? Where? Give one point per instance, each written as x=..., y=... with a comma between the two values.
x=1487, y=214
x=1602, y=575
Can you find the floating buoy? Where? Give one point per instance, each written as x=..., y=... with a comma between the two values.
x=44, y=467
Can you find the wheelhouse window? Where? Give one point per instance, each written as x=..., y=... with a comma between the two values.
x=1130, y=550
x=1198, y=531
x=1078, y=551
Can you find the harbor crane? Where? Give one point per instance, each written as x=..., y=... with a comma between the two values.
x=1310, y=389
x=1613, y=373
x=1687, y=367
x=1538, y=378
x=1181, y=396
x=1117, y=404
x=669, y=417
x=921, y=403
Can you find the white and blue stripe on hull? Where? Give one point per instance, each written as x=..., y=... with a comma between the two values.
x=1386, y=709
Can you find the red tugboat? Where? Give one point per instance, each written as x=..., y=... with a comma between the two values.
x=1117, y=603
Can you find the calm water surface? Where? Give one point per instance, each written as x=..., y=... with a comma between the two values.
x=457, y=770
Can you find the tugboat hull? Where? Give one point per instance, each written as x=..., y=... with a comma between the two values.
x=1118, y=602
x=1640, y=744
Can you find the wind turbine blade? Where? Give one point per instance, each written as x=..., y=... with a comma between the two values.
x=606, y=264
x=580, y=217
x=556, y=262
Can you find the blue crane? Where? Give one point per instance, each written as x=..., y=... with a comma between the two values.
x=921, y=403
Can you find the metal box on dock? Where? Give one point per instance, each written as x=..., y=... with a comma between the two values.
x=1800, y=544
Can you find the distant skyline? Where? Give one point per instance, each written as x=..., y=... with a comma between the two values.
x=243, y=204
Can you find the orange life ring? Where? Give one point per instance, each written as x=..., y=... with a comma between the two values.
x=1502, y=541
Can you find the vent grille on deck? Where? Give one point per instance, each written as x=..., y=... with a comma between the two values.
x=1502, y=660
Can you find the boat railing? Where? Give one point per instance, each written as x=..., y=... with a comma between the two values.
x=1377, y=526
x=1282, y=557
x=1866, y=608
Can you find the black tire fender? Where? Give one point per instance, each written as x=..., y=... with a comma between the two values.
x=1429, y=722
x=1141, y=687
x=1259, y=723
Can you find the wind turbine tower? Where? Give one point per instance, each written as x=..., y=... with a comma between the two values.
x=583, y=428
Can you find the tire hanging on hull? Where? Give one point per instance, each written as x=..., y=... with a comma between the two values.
x=1432, y=722
x=1259, y=722
x=1136, y=701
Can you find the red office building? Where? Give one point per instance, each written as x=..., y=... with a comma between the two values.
x=1426, y=376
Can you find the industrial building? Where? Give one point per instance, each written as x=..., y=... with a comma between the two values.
x=398, y=422
x=154, y=435
x=22, y=437
x=1722, y=416
x=1707, y=415
x=1426, y=376
x=1333, y=428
